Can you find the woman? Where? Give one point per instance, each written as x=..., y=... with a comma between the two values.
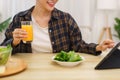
x=53, y=31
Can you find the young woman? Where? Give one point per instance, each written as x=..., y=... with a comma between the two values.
x=53, y=31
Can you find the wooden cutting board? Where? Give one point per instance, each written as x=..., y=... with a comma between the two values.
x=14, y=66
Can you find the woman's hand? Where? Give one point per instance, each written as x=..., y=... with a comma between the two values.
x=104, y=45
x=18, y=35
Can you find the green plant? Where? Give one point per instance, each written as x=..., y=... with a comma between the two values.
x=117, y=27
x=4, y=24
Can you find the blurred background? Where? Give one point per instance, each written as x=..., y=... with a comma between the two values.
x=88, y=16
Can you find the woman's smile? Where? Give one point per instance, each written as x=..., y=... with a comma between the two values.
x=51, y=3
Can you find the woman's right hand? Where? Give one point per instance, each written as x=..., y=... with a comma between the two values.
x=18, y=35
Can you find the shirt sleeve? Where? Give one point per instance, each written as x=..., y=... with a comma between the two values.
x=77, y=43
x=8, y=33
x=20, y=48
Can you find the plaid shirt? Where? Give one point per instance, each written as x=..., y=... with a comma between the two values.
x=63, y=30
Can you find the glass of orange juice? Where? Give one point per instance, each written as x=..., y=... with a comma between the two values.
x=27, y=26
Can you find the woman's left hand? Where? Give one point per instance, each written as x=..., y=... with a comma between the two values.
x=104, y=45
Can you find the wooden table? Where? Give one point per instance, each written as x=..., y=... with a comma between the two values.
x=41, y=67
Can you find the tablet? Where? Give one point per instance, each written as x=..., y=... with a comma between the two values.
x=111, y=60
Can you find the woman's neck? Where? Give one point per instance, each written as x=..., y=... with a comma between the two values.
x=38, y=11
x=41, y=16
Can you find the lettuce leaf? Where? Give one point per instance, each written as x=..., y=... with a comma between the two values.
x=70, y=56
x=5, y=52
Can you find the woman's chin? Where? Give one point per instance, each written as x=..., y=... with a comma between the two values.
x=50, y=9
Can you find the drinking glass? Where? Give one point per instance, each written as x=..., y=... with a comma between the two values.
x=27, y=26
x=5, y=54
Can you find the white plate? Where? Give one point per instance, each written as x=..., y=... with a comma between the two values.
x=68, y=64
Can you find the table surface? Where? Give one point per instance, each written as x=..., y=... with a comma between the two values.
x=41, y=67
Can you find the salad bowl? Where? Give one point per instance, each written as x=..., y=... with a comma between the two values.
x=68, y=59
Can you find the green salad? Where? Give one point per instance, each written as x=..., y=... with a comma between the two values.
x=5, y=52
x=70, y=56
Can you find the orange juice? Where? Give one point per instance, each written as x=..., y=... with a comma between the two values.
x=29, y=29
